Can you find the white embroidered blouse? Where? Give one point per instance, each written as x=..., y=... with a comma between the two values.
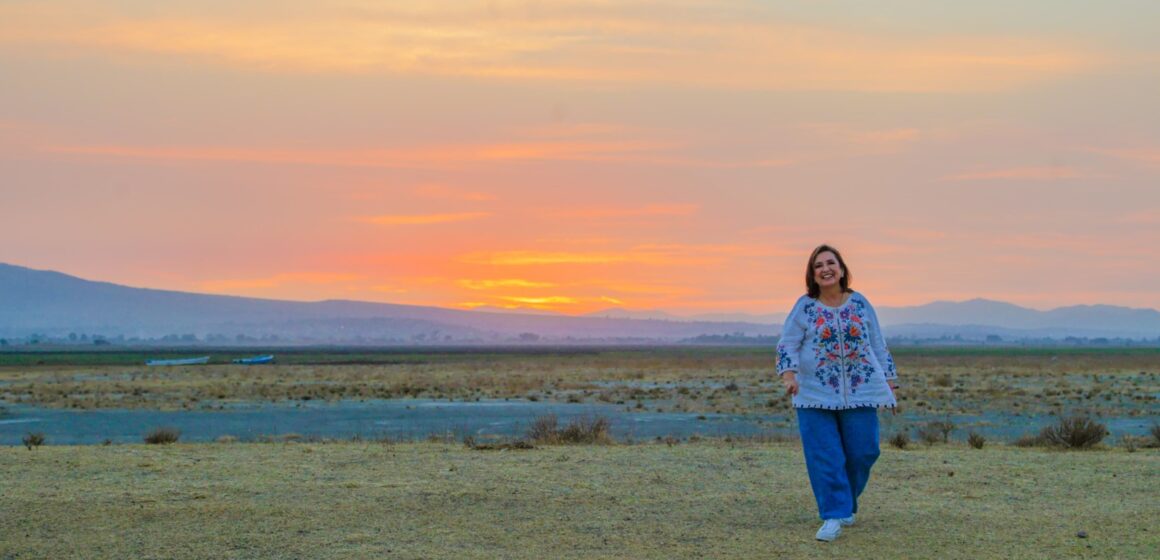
x=838, y=354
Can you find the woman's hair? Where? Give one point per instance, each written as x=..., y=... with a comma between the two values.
x=812, y=286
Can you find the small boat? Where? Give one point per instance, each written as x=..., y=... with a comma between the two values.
x=268, y=358
x=179, y=362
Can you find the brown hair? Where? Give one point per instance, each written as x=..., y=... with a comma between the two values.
x=811, y=286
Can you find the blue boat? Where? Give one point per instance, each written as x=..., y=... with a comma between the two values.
x=268, y=358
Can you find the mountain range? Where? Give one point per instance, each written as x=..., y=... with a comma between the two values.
x=53, y=305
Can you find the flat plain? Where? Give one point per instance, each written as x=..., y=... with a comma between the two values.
x=709, y=498
x=1100, y=381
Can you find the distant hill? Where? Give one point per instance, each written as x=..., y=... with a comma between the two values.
x=642, y=314
x=55, y=305
x=1012, y=321
x=657, y=314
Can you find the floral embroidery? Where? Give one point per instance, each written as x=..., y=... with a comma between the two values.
x=784, y=360
x=838, y=353
x=841, y=346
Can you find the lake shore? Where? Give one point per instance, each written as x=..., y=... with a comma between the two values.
x=709, y=499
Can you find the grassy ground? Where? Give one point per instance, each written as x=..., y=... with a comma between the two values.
x=703, y=500
x=1120, y=382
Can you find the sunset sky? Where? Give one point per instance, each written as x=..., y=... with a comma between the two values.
x=681, y=155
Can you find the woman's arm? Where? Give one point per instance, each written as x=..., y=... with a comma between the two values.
x=789, y=348
x=878, y=346
x=790, y=382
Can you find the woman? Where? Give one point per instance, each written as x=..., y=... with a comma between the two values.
x=834, y=362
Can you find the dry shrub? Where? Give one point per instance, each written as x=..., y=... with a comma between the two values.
x=545, y=430
x=900, y=440
x=1074, y=432
x=936, y=431
x=1155, y=436
x=1029, y=440
x=160, y=436
x=587, y=429
x=470, y=443
x=976, y=440
x=33, y=439
x=1132, y=443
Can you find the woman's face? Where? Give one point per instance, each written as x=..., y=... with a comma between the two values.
x=827, y=270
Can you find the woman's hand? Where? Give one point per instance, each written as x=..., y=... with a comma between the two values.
x=897, y=407
x=789, y=380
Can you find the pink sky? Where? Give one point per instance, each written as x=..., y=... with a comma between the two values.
x=576, y=156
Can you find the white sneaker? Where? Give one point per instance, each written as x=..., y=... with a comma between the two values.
x=847, y=521
x=830, y=530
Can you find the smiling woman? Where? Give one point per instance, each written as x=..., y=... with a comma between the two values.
x=832, y=338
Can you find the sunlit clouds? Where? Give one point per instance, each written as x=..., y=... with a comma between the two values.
x=437, y=156
x=546, y=302
x=506, y=283
x=572, y=156
x=443, y=192
x=615, y=43
x=521, y=258
x=620, y=212
x=640, y=256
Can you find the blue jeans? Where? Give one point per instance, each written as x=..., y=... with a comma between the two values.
x=840, y=447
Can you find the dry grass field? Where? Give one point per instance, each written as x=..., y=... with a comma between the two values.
x=703, y=499
x=710, y=499
x=1116, y=382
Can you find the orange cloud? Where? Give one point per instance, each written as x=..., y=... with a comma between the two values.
x=390, y=289
x=582, y=151
x=541, y=302
x=509, y=283
x=649, y=289
x=423, y=219
x=671, y=254
x=713, y=249
x=441, y=157
x=1051, y=173
x=638, y=257
x=519, y=258
x=648, y=210
x=442, y=192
